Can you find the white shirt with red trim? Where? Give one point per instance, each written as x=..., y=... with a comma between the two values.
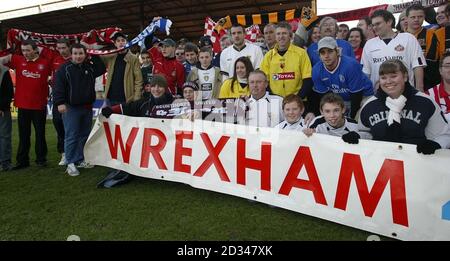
x=442, y=98
x=404, y=47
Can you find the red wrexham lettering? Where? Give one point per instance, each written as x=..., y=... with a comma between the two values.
x=391, y=171
x=155, y=150
x=213, y=157
x=303, y=158
x=262, y=165
x=113, y=146
x=181, y=151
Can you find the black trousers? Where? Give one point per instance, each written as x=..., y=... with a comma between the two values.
x=59, y=127
x=25, y=118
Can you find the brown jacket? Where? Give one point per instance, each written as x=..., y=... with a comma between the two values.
x=132, y=79
x=193, y=77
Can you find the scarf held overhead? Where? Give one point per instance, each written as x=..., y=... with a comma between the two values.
x=94, y=39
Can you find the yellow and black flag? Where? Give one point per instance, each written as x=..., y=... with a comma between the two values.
x=307, y=15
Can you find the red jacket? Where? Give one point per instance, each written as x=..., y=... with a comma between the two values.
x=170, y=68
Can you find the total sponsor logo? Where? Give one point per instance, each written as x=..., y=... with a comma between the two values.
x=283, y=76
x=29, y=74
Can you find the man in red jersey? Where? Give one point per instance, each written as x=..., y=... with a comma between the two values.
x=164, y=63
x=30, y=97
x=60, y=58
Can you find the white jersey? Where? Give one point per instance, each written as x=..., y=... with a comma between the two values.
x=230, y=55
x=264, y=112
x=296, y=126
x=321, y=126
x=404, y=46
x=206, y=80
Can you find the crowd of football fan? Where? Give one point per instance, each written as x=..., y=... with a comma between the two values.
x=377, y=81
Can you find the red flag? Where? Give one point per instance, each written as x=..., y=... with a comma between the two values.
x=252, y=32
x=215, y=36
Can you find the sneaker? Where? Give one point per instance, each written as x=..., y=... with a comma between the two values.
x=84, y=165
x=41, y=163
x=72, y=170
x=6, y=167
x=63, y=160
x=20, y=166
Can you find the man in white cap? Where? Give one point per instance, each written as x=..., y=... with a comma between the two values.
x=339, y=74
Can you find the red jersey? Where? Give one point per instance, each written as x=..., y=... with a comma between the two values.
x=358, y=54
x=170, y=68
x=31, y=82
x=57, y=61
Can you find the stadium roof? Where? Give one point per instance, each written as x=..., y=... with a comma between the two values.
x=133, y=15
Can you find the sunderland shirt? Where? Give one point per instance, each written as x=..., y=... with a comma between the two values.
x=286, y=73
x=404, y=47
x=230, y=54
x=172, y=70
x=345, y=79
x=421, y=118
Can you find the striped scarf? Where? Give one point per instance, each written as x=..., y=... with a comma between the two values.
x=94, y=39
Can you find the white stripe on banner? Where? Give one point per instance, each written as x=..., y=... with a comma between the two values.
x=385, y=188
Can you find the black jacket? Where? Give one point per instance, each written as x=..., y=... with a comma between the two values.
x=421, y=119
x=6, y=89
x=143, y=107
x=75, y=83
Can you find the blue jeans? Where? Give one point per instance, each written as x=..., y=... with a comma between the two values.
x=77, y=126
x=5, y=138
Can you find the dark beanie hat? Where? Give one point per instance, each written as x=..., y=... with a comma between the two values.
x=158, y=79
x=192, y=85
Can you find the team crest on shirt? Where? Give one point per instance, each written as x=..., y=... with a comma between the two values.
x=341, y=78
x=399, y=48
x=206, y=77
x=41, y=67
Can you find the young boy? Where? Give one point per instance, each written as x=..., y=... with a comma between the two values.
x=146, y=67
x=154, y=94
x=191, y=55
x=206, y=75
x=293, y=109
x=332, y=121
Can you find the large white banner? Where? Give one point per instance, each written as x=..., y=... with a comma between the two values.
x=384, y=188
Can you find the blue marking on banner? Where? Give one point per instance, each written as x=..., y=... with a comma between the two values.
x=446, y=211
